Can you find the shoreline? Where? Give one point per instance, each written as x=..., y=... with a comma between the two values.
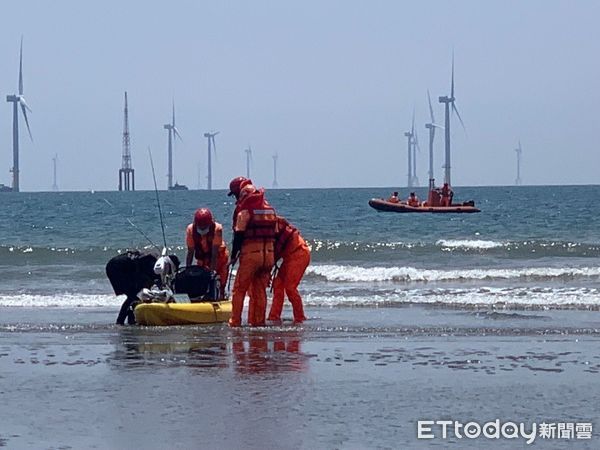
x=347, y=378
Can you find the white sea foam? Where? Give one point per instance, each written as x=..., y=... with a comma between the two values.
x=476, y=244
x=346, y=273
x=487, y=296
x=61, y=301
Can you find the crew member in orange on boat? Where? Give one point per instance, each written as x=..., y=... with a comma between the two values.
x=413, y=200
x=447, y=195
x=394, y=198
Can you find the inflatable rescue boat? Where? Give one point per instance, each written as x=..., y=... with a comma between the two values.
x=383, y=205
x=161, y=314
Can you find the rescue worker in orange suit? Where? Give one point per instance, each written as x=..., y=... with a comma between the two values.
x=289, y=246
x=413, y=200
x=447, y=195
x=254, y=245
x=204, y=240
x=394, y=198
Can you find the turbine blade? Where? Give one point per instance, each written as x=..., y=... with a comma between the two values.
x=430, y=107
x=176, y=133
x=21, y=68
x=412, y=129
x=173, y=123
x=26, y=121
x=458, y=115
x=452, y=82
x=438, y=126
x=416, y=142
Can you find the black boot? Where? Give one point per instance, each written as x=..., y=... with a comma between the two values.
x=125, y=311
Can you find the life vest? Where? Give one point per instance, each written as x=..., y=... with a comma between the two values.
x=284, y=235
x=413, y=201
x=263, y=220
x=203, y=244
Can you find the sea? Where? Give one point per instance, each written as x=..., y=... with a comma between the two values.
x=530, y=247
x=492, y=317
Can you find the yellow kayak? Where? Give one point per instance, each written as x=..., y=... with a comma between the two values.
x=182, y=313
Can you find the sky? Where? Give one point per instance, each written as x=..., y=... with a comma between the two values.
x=328, y=86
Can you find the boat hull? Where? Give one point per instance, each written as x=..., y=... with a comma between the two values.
x=383, y=205
x=162, y=314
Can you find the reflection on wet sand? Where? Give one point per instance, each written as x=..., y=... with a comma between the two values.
x=246, y=351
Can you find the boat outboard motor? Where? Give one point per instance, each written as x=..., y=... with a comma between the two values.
x=199, y=283
x=128, y=274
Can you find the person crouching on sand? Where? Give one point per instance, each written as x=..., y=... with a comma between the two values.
x=204, y=240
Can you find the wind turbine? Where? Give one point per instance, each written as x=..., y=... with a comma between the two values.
x=173, y=133
x=411, y=154
x=275, y=158
x=519, y=151
x=431, y=127
x=18, y=100
x=213, y=146
x=416, y=148
x=447, y=101
x=248, y=160
x=54, y=160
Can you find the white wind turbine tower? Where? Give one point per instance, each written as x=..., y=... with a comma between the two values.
x=212, y=147
x=248, y=160
x=18, y=100
x=275, y=158
x=173, y=133
x=54, y=184
x=431, y=127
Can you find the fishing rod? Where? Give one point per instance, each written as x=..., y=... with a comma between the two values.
x=134, y=226
x=160, y=215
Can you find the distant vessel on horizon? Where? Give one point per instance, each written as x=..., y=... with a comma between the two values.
x=4, y=188
x=178, y=187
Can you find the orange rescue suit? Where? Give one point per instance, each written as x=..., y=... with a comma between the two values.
x=257, y=221
x=289, y=246
x=210, y=251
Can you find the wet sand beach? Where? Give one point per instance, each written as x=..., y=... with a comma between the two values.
x=347, y=378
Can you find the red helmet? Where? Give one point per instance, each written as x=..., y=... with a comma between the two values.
x=236, y=185
x=203, y=218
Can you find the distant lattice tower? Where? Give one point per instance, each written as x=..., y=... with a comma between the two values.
x=519, y=152
x=126, y=172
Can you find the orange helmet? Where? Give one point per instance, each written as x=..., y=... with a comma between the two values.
x=236, y=185
x=203, y=218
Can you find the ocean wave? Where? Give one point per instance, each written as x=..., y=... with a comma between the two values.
x=523, y=297
x=475, y=244
x=61, y=300
x=537, y=297
x=26, y=254
x=345, y=250
x=347, y=273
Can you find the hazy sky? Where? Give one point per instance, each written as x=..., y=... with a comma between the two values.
x=328, y=85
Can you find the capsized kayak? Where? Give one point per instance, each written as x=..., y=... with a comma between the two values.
x=383, y=205
x=182, y=313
